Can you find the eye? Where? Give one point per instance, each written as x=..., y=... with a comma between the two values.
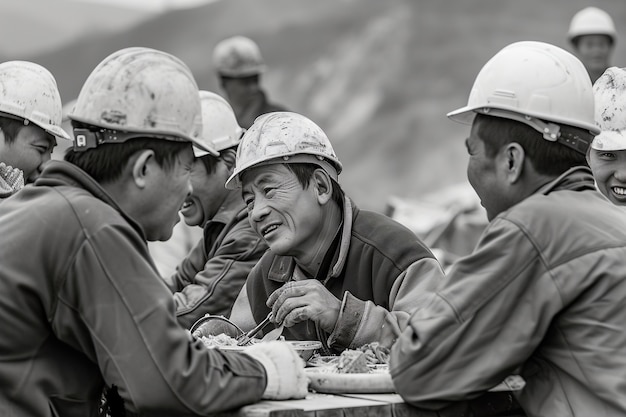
x=269, y=191
x=249, y=202
x=607, y=156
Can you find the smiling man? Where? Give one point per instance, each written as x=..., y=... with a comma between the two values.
x=210, y=277
x=543, y=292
x=30, y=122
x=607, y=154
x=333, y=273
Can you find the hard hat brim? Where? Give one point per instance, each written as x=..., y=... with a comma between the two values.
x=610, y=140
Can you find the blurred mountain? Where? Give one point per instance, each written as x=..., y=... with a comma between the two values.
x=30, y=27
x=377, y=76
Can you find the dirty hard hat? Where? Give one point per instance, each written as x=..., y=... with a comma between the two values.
x=220, y=129
x=591, y=21
x=284, y=137
x=238, y=57
x=139, y=92
x=538, y=84
x=29, y=92
x=610, y=99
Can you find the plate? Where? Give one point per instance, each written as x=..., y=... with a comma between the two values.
x=305, y=348
x=324, y=379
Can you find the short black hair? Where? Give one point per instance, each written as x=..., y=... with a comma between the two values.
x=304, y=174
x=106, y=162
x=548, y=158
x=11, y=127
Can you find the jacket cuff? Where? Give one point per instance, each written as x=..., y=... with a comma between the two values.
x=349, y=321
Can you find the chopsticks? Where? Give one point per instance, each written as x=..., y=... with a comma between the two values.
x=245, y=338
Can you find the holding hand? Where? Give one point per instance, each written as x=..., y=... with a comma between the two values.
x=297, y=301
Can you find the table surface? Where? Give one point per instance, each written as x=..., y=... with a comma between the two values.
x=366, y=405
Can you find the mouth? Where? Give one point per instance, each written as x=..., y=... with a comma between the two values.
x=268, y=228
x=619, y=191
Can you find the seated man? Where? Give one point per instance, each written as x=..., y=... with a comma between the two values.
x=30, y=119
x=332, y=273
x=542, y=294
x=210, y=277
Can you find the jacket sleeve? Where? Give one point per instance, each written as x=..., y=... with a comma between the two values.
x=112, y=303
x=362, y=322
x=488, y=316
x=216, y=283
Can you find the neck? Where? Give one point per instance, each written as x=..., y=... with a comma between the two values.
x=311, y=263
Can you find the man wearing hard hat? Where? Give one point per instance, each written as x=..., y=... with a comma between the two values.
x=607, y=154
x=592, y=35
x=30, y=120
x=332, y=273
x=239, y=65
x=208, y=280
x=85, y=308
x=543, y=292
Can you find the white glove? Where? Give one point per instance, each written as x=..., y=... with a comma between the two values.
x=284, y=368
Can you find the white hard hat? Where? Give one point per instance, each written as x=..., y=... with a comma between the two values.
x=29, y=92
x=220, y=129
x=284, y=137
x=535, y=83
x=610, y=100
x=238, y=57
x=139, y=92
x=591, y=21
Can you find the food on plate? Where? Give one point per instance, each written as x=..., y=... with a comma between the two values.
x=368, y=358
x=222, y=339
x=352, y=362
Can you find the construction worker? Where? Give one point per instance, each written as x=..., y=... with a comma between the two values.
x=607, y=153
x=592, y=35
x=543, y=292
x=238, y=63
x=30, y=122
x=332, y=273
x=87, y=308
x=210, y=277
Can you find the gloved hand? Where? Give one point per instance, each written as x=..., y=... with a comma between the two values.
x=284, y=368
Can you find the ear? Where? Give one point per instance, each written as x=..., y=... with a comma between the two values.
x=514, y=158
x=323, y=185
x=141, y=167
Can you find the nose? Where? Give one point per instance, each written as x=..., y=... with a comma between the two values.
x=620, y=174
x=259, y=210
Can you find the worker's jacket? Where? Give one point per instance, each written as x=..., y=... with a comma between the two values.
x=83, y=306
x=256, y=105
x=543, y=295
x=377, y=269
x=209, y=279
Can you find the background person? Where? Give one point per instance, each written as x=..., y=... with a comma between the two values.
x=239, y=65
x=332, y=273
x=30, y=122
x=607, y=154
x=592, y=35
x=543, y=292
x=210, y=277
x=86, y=307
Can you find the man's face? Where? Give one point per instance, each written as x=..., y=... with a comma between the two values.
x=208, y=193
x=287, y=216
x=595, y=52
x=483, y=175
x=167, y=192
x=609, y=171
x=30, y=149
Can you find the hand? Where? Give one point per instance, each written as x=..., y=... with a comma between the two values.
x=284, y=369
x=297, y=301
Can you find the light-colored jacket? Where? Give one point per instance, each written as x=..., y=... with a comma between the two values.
x=209, y=279
x=544, y=295
x=378, y=269
x=83, y=306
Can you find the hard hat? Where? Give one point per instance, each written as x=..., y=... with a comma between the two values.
x=29, y=92
x=138, y=92
x=610, y=100
x=591, y=21
x=284, y=137
x=238, y=57
x=538, y=84
x=220, y=129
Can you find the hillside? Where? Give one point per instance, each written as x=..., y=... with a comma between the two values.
x=377, y=76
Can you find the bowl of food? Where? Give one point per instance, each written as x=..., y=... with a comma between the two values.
x=305, y=348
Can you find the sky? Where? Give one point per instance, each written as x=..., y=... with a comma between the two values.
x=152, y=5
